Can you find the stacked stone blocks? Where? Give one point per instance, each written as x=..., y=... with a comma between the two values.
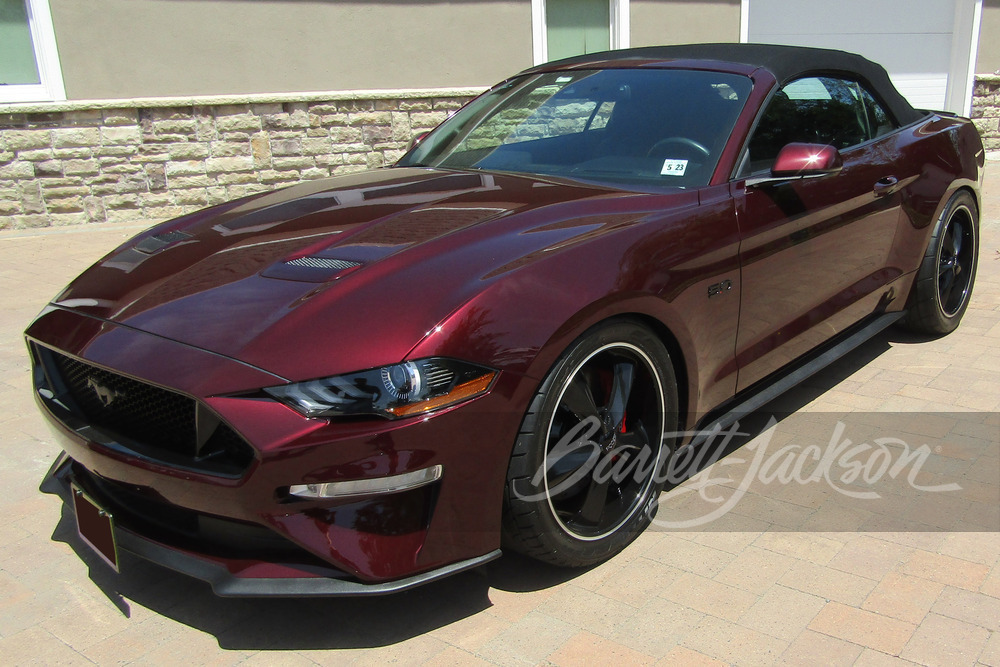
x=986, y=111
x=108, y=164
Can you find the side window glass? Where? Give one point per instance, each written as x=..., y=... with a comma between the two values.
x=816, y=110
x=879, y=120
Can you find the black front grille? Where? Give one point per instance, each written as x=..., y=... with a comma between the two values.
x=138, y=410
x=152, y=421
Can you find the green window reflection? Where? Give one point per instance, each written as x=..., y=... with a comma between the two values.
x=17, y=53
x=576, y=27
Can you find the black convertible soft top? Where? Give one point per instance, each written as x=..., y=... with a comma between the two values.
x=784, y=62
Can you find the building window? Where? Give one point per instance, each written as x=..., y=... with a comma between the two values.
x=564, y=28
x=29, y=62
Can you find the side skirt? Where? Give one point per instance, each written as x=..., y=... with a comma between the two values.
x=767, y=390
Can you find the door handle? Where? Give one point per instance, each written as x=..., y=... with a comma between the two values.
x=886, y=186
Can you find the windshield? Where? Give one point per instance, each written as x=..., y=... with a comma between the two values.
x=628, y=126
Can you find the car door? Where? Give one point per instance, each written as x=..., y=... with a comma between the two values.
x=814, y=252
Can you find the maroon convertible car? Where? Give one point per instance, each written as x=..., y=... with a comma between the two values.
x=362, y=384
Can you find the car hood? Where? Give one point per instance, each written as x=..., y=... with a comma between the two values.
x=342, y=274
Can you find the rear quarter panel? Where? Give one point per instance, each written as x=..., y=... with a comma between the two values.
x=939, y=156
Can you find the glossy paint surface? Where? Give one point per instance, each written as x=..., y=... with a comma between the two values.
x=502, y=270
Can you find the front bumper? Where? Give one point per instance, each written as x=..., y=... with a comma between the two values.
x=241, y=531
x=217, y=572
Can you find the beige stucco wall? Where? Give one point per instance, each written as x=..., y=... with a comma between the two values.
x=684, y=21
x=125, y=48
x=988, y=56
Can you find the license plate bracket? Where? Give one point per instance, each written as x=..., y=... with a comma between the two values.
x=96, y=527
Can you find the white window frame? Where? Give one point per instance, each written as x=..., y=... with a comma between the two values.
x=43, y=38
x=621, y=28
x=968, y=21
x=744, y=21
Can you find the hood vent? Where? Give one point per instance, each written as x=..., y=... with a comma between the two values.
x=323, y=263
x=157, y=242
x=311, y=269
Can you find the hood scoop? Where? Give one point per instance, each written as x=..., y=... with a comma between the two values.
x=311, y=269
x=321, y=264
x=132, y=257
x=157, y=242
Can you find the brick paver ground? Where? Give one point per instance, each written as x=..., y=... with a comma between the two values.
x=791, y=574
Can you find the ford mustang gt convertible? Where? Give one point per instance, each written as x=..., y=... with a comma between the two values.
x=365, y=383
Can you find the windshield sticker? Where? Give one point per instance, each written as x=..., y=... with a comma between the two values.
x=674, y=167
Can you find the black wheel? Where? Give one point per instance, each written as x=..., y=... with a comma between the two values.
x=944, y=281
x=584, y=475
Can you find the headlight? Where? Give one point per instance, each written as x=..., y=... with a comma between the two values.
x=401, y=390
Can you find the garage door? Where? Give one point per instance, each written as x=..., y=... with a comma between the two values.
x=926, y=45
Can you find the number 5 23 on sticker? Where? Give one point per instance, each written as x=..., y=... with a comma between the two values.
x=674, y=167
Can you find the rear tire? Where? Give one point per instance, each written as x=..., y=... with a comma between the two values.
x=943, y=286
x=584, y=475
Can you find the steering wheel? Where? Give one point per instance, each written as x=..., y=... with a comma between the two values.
x=683, y=141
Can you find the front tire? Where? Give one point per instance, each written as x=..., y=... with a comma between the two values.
x=943, y=286
x=584, y=474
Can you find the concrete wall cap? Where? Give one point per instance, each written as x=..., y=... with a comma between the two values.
x=260, y=98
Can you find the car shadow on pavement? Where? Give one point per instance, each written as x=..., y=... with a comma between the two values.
x=364, y=622
x=904, y=337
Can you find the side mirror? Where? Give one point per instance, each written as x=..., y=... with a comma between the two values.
x=797, y=161
x=804, y=160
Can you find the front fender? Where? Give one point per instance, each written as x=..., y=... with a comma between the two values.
x=659, y=271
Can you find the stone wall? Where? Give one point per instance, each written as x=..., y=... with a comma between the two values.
x=136, y=160
x=986, y=112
